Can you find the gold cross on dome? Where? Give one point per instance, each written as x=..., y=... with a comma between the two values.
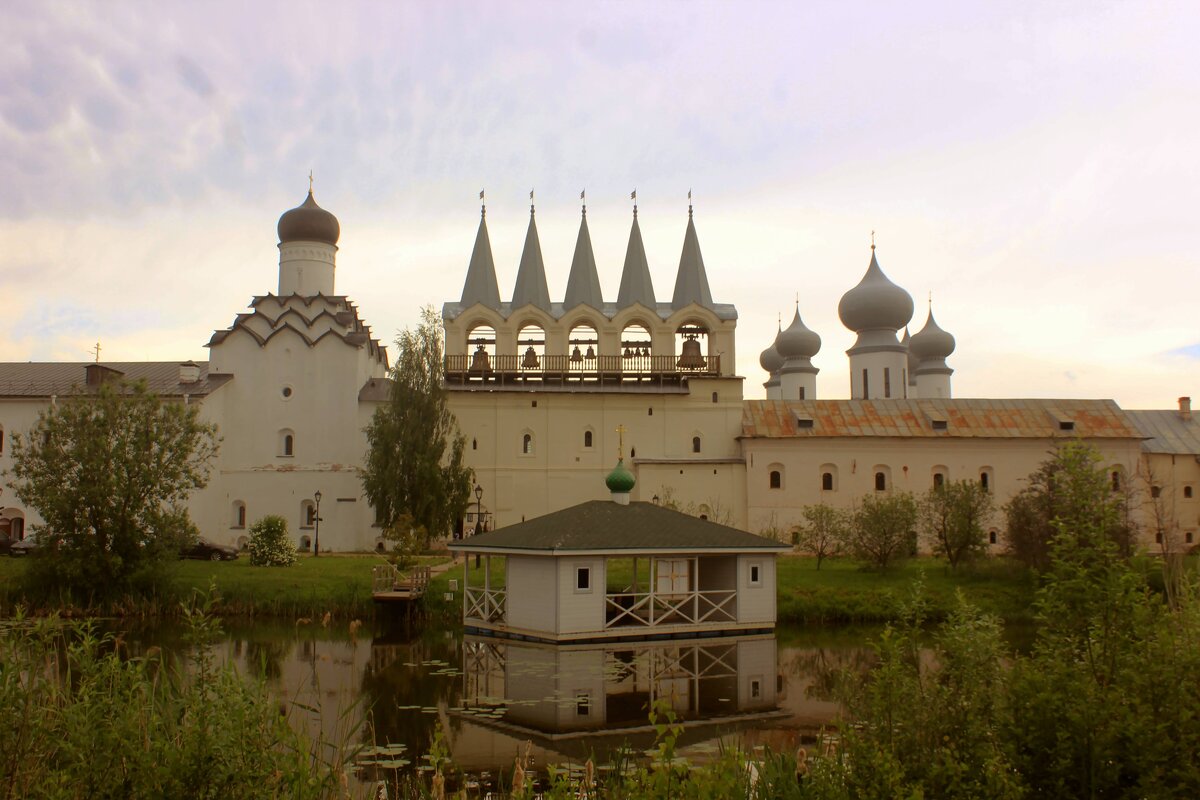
x=310, y=182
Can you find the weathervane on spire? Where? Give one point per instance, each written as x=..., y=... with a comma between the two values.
x=482, y=203
x=620, y=442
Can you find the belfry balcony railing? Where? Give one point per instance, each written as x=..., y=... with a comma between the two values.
x=647, y=609
x=484, y=605
x=486, y=368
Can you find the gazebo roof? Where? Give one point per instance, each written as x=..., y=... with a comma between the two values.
x=603, y=525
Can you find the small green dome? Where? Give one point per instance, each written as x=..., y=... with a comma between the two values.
x=620, y=480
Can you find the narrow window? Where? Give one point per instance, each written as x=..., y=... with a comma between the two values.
x=827, y=481
x=534, y=404
x=880, y=482
x=583, y=705
x=583, y=579
x=1116, y=481
x=939, y=480
x=991, y=537
x=632, y=452
x=1187, y=492
x=239, y=515
x=289, y=443
x=984, y=482
x=776, y=479
x=474, y=444
x=755, y=575
x=587, y=439
x=1, y=440
x=887, y=381
x=1155, y=491
x=695, y=444
x=714, y=397
x=527, y=444
x=1158, y=538
x=1188, y=537
x=755, y=689
x=866, y=386
x=801, y=393
x=310, y=514
x=650, y=412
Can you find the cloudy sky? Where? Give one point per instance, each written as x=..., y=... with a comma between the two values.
x=1034, y=166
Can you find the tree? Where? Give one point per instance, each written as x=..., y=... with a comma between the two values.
x=952, y=518
x=823, y=532
x=109, y=473
x=882, y=528
x=1069, y=491
x=414, y=462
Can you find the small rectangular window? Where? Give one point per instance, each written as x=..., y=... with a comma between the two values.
x=583, y=704
x=755, y=688
x=1066, y=425
x=583, y=579
x=756, y=575
x=804, y=423
x=801, y=392
x=940, y=424
x=887, y=381
x=866, y=387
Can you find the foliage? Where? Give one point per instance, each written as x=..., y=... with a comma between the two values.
x=414, y=462
x=83, y=717
x=1070, y=491
x=715, y=510
x=270, y=545
x=823, y=532
x=882, y=528
x=407, y=538
x=953, y=516
x=109, y=473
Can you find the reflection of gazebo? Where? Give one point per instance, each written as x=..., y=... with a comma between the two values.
x=613, y=569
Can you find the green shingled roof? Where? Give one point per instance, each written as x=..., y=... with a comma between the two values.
x=605, y=525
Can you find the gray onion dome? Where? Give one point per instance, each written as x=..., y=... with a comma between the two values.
x=308, y=222
x=797, y=341
x=913, y=361
x=769, y=359
x=931, y=343
x=875, y=303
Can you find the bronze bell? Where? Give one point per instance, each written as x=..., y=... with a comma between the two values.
x=626, y=353
x=590, y=352
x=530, y=361
x=479, y=360
x=690, y=357
x=576, y=356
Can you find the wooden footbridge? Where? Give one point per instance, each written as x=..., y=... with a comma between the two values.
x=390, y=585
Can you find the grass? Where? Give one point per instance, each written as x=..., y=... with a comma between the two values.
x=844, y=591
x=335, y=584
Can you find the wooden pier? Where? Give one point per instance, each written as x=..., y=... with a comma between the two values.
x=390, y=585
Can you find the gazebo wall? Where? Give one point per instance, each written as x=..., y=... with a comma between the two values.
x=756, y=601
x=532, y=581
x=580, y=611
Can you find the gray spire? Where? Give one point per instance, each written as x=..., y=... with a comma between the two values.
x=636, y=286
x=691, y=282
x=583, y=285
x=481, y=286
x=531, y=275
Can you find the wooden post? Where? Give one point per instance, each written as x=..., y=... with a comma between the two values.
x=695, y=589
x=653, y=580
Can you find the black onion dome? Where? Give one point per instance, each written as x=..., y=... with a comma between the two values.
x=308, y=222
x=875, y=303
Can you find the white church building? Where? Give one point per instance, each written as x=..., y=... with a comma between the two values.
x=539, y=388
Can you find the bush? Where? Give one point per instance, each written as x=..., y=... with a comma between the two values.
x=270, y=545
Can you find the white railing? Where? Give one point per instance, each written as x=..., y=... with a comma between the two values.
x=678, y=608
x=485, y=605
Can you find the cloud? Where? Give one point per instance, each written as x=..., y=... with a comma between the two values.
x=1191, y=351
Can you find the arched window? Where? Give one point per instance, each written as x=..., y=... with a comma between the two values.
x=1187, y=492
x=695, y=444
x=883, y=477
x=582, y=349
x=587, y=439
x=527, y=444
x=242, y=542
x=531, y=347
x=776, y=479
x=238, y=515
x=287, y=443
x=829, y=477
x=636, y=349
x=991, y=537
x=305, y=542
x=1116, y=480
x=481, y=349
x=880, y=481
x=714, y=397
x=308, y=513
x=986, y=479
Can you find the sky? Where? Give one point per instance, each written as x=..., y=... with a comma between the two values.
x=1031, y=167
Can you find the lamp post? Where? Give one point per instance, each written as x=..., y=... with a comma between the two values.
x=478, y=508
x=317, y=525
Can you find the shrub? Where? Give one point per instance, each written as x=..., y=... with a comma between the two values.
x=270, y=545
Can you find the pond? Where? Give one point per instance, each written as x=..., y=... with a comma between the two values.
x=394, y=691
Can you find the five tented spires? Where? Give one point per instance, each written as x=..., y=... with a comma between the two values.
x=583, y=283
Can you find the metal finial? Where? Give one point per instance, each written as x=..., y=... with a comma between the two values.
x=931, y=300
x=872, y=240
x=310, y=182
x=531, y=202
x=633, y=197
x=689, y=203
x=482, y=204
x=97, y=352
x=583, y=200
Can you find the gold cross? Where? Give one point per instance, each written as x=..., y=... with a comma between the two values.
x=97, y=352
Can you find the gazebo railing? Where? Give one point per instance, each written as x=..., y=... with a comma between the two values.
x=678, y=608
x=485, y=605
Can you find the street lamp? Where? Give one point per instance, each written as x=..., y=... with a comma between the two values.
x=478, y=508
x=317, y=525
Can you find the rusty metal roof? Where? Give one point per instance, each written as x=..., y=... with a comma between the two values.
x=44, y=379
x=937, y=418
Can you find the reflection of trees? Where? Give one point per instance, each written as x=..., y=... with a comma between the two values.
x=387, y=684
x=264, y=657
x=825, y=666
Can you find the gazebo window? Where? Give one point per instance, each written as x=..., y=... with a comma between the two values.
x=756, y=574
x=583, y=579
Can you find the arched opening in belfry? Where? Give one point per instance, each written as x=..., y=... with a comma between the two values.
x=481, y=349
x=583, y=348
x=692, y=346
x=636, y=349
x=531, y=348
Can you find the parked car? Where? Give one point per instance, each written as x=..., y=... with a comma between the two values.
x=209, y=551
x=22, y=548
